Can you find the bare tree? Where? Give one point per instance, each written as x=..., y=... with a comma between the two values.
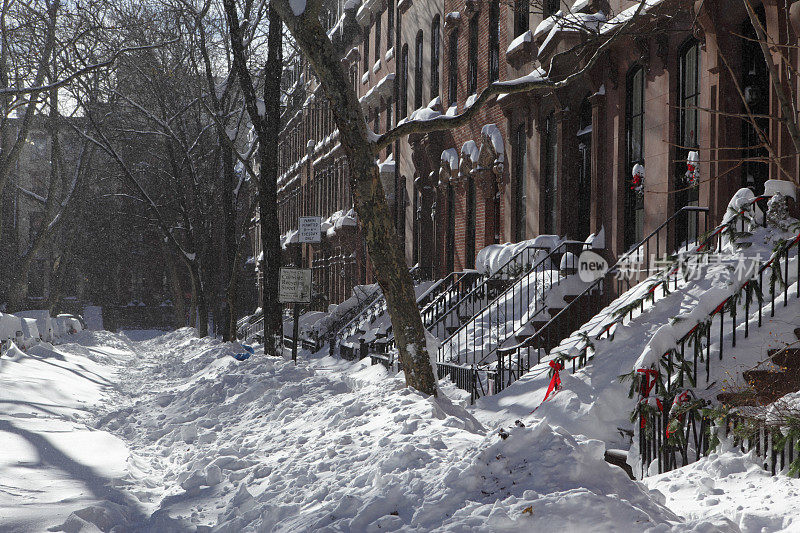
x=266, y=124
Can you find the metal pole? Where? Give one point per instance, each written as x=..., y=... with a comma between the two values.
x=296, y=325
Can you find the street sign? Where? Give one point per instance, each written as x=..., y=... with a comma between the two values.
x=294, y=285
x=310, y=229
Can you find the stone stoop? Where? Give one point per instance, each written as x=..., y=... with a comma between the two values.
x=767, y=386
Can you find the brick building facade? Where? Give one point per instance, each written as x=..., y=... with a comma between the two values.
x=559, y=163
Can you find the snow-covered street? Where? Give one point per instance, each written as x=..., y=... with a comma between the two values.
x=168, y=432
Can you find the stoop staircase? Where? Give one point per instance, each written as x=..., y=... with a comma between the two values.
x=767, y=386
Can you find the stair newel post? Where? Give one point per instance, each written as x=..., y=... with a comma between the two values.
x=696, y=349
x=746, y=311
x=669, y=367
x=786, y=278
x=708, y=353
x=760, y=291
x=772, y=291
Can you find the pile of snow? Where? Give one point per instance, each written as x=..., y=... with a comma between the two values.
x=730, y=484
x=28, y=328
x=494, y=256
x=191, y=438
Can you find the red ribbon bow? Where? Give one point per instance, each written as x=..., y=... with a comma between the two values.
x=648, y=385
x=555, y=381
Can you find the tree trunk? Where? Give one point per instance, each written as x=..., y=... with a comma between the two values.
x=383, y=242
x=178, y=304
x=266, y=127
x=229, y=219
x=200, y=298
x=268, y=190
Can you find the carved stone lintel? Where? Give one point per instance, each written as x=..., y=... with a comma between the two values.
x=471, y=6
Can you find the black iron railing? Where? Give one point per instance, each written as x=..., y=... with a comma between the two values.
x=477, y=382
x=437, y=295
x=521, y=301
x=671, y=441
x=636, y=264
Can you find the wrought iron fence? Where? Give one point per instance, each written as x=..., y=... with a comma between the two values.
x=670, y=441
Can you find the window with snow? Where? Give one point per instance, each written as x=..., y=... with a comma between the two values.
x=377, y=38
x=365, y=59
x=403, y=110
x=550, y=7
x=418, y=71
x=522, y=10
x=494, y=40
x=452, y=70
x=390, y=24
x=472, y=77
x=634, y=149
x=436, y=45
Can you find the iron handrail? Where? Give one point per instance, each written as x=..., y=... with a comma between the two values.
x=483, y=286
x=548, y=260
x=581, y=307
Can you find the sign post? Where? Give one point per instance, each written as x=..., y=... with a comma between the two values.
x=295, y=283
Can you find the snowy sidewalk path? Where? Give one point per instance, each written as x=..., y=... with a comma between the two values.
x=171, y=434
x=52, y=461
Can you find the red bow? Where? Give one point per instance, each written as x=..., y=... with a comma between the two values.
x=645, y=389
x=555, y=381
x=648, y=385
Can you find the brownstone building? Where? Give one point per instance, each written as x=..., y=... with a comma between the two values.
x=681, y=78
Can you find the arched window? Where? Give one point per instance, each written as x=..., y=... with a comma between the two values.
x=494, y=40
x=469, y=248
x=366, y=49
x=634, y=149
x=520, y=170
x=452, y=70
x=472, y=76
x=377, y=38
x=418, y=71
x=549, y=178
x=390, y=25
x=436, y=45
x=756, y=86
x=688, y=100
x=584, y=192
x=521, y=11
x=450, y=245
x=403, y=104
